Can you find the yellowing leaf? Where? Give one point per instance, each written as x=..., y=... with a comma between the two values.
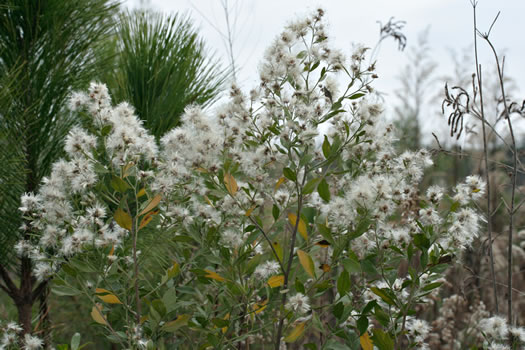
x=325, y=267
x=279, y=183
x=109, y=298
x=112, y=251
x=152, y=204
x=141, y=192
x=227, y=317
x=102, y=291
x=147, y=218
x=180, y=321
x=97, y=316
x=123, y=219
x=208, y=201
x=143, y=318
x=278, y=250
x=174, y=270
x=214, y=275
x=125, y=171
x=306, y=262
x=276, y=281
x=295, y=333
x=249, y=211
x=323, y=243
x=301, y=227
x=230, y=183
x=366, y=342
x=259, y=307
x=201, y=170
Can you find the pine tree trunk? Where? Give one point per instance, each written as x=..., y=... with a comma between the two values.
x=24, y=315
x=24, y=303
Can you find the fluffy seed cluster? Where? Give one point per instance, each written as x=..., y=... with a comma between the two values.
x=11, y=338
x=65, y=215
x=298, y=303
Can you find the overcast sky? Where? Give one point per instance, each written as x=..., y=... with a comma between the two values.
x=257, y=22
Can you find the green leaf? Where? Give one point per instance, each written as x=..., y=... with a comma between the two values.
x=315, y=65
x=170, y=300
x=289, y=174
x=326, y=147
x=338, y=310
x=81, y=266
x=301, y=54
x=362, y=324
x=431, y=286
x=421, y=241
x=368, y=267
x=119, y=184
x=275, y=212
x=220, y=323
x=356, y=96
x=75, y=341
x=311, y=186
x=381, y=316
x=325, y=232
x=299, y=286
x=252, y=264
x=423, y=259
x=351, y=265
x=361, y=228
x=382, y=340
x=384, y=294
x=65, y=291
x=410, y=251
x=324, y=190
x=343, y=283
x=369, y=306
x=69, y=270
x=106, y=130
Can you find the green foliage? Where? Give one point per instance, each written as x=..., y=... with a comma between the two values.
x=47, y=49
x=160, y=67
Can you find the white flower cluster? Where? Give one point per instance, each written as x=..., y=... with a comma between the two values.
x=298, y=303
x=497, y=332
x=11, y=338
x=267, y=269
x=419, y=330
x=66, y=212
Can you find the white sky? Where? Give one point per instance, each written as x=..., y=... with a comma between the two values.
x=258, y=22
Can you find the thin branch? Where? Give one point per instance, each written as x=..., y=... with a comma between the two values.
x=5, y=289
x=265, y=235
x=229, y=37
x=290, y=257
x=9, y=284
x=39, y=289
x=493, y=22
x=486, y=156
x=514, y=178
